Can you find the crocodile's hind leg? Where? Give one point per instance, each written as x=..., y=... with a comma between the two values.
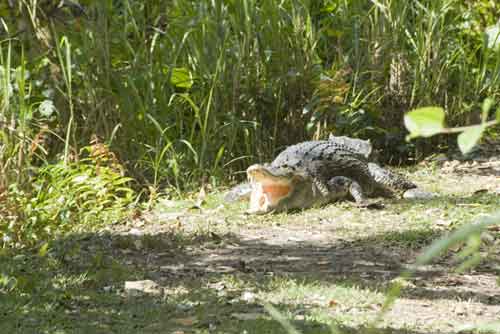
x=340, y=187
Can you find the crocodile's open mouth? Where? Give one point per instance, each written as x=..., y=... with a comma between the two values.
x=268, y=189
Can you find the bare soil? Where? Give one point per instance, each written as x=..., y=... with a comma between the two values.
x=203, y=266
x=341, y=245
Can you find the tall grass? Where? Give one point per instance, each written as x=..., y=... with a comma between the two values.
x=193, y=90
x=404, y=54
x=17, y=128
x=190, y=92
x=42, y=192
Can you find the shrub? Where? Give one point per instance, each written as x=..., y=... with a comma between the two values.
x=81, y=194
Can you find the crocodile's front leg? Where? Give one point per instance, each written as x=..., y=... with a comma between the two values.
x=340, y=187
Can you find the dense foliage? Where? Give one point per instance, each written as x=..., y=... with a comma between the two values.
x=189, y=92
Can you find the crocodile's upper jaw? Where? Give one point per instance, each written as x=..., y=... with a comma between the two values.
x=268, y=188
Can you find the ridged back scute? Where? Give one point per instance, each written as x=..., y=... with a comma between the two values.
x=357, y=146
x=297, y=155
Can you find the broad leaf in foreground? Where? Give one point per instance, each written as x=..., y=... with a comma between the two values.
x=469, y=138
x=424, y=122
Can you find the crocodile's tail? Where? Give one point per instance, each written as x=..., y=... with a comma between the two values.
x=387, y=180
x=240, y=192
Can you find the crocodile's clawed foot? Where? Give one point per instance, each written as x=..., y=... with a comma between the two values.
x=253, y=211
x=371, y=205
x=417, y=193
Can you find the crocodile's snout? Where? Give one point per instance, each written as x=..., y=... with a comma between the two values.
x=268, y=188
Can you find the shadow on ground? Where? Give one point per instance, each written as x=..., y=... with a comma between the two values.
x=78, y=286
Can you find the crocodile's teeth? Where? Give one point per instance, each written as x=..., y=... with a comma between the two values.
x=258, y=200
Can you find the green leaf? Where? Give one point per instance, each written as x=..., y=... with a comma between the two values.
x=493, y=36
x=329, y=8
x=424, y=122
x=219, y=155
x=487, y=104
x=181, y=78
x=469, y=138
x=188, y=144
x=498, y=115
x=43, y=250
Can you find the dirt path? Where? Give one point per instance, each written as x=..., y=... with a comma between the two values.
x=213, y=269
x=342, y=247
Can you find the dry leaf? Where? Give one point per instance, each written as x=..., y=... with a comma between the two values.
x=190, y=321
x=247, y=316
x=333, y=303
x=494, y=228
x=200, y=199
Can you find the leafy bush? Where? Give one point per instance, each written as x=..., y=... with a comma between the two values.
x=66, y=197
x=399, y=55
x=193, y=91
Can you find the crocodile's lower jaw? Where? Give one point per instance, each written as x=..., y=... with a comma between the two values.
x=266, y=196
x=267, y=190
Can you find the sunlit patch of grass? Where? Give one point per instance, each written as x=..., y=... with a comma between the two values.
x=290, y=291
x=409, y=239
x=324, y=303
x=64, y=282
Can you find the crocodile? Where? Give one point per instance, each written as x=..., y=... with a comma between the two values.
x=340, y=145
x=315, y=173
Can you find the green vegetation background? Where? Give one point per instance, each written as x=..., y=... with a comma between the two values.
x=105, y=100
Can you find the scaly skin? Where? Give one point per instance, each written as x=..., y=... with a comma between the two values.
x=299, y=155
x=319, y=172
x=317, y=182
x=334, y=146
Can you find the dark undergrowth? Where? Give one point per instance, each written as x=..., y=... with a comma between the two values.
x=106, y=106
x=188, y=93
